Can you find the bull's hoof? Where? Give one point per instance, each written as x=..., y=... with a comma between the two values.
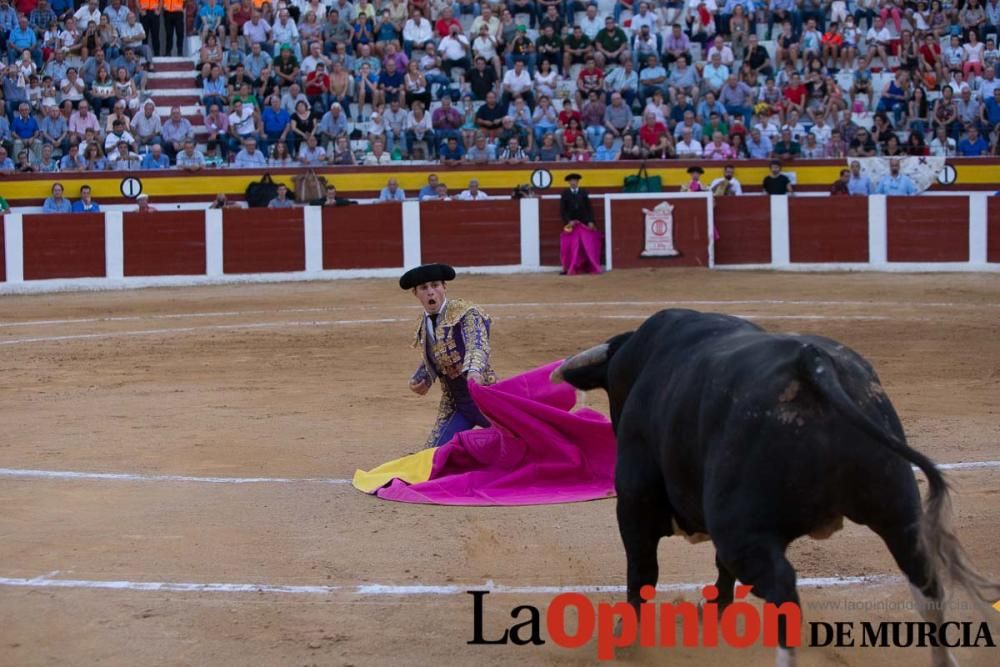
x=942, y=658
x=785, y=657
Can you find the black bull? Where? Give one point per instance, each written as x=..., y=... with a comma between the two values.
x=753, y=439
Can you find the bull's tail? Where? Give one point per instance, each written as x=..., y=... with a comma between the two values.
x=945, y=554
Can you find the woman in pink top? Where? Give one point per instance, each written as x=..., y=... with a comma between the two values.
x=717, y=149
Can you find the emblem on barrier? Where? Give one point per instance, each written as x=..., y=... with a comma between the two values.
x=660, y=231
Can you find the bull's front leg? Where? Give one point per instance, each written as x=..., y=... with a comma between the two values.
x=641, y=524
x=725, y=583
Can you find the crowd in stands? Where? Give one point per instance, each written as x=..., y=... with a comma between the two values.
x=336, y=82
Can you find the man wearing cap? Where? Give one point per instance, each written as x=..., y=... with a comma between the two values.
x=454, y=338
x=574, y=202
x=695, y=185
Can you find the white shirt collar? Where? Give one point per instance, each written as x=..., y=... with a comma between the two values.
x=428, y=325
x=444, y=304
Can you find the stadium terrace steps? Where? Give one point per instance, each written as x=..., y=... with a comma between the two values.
x=167, y=65
x=168, y=84
x=175, y=100
x=172, y=84
x=175, y=75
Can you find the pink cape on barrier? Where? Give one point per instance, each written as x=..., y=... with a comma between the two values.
x=580, y=250
x=535, y=452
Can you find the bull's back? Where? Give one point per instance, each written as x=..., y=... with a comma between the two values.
x=739, y=407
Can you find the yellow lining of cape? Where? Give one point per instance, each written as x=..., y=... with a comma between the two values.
x=412, y=469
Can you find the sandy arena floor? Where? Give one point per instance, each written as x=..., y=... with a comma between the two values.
x=304, y=383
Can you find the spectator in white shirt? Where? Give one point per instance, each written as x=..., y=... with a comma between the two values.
x=878, y=38
x=591, y=23
x=90, y=12
x=644, y=17
x=314, y=58
x=258, y=31
x=379, y=156
x=284, y=31
x=942, y=145
x=732, y=185
x=687, y=146
x=454, y=50
x=516, y=82
x=473, y=193
x=417, y=32
x=243, y=124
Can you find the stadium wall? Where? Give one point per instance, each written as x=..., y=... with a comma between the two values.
x=117, y=249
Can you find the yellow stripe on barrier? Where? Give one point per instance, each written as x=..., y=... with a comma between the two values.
x=106, y=185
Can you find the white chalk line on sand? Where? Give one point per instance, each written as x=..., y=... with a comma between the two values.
x=249, y=326
x=534, y=304
x=212, y=327
x=377, y=590
x=71, y=475
x=23, y=473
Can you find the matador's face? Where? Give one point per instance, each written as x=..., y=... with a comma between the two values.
x=431, y=295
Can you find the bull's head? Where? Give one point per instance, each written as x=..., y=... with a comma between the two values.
x=589, y=369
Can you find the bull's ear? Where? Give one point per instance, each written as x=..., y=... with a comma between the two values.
x=615, y=342
x=589, y=369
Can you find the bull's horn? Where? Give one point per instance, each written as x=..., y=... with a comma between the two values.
x=595, y=355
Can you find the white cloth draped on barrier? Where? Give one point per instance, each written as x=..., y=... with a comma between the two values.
x=923, y=171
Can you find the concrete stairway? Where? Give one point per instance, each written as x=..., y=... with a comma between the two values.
x=173, y=84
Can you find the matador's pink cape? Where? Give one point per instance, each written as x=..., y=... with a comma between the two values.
x=536, y=451
x=580, y=250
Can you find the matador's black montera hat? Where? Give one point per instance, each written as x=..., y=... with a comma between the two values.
x=425, y=274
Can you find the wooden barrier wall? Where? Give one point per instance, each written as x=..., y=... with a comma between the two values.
x=825, y=230
x=744, y=225
x=805, y=233
x=171, y=243
x=356, y=237
x=262, y=240
x=63, y=246
x=928, y=229
x=993, y=230
x=466, y=233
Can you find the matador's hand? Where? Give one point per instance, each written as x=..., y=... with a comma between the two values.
x=420, y=387
x=474, y=377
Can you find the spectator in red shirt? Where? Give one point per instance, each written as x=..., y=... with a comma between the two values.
x=795, y=95
x=930, y=58
x=832, y=41
x=444, y=23
x=591, y=77
x=568, y=113
x=27, y=6
x=654, y=138
x=569, y=135
x=317, y=87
